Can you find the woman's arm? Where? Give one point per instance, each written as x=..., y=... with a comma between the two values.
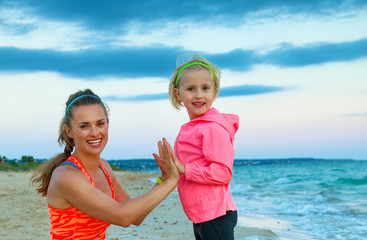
x=121, y=194
x=74, y=188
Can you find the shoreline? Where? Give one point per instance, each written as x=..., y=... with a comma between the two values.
x=25, y=213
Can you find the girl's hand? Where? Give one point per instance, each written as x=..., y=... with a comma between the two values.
x=161, y=160
x=179, y=165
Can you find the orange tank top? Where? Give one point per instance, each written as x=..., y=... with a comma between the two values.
x=71, y=223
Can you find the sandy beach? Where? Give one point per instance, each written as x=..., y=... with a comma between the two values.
x=24, y=214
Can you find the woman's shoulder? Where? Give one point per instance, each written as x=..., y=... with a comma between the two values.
x=65, y=181
x=107, y=166
x=104, y=162
x=66, y=174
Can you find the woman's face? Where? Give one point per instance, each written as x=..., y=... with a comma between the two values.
x=89, y=129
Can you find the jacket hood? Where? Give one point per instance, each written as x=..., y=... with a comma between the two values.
x=229, y=121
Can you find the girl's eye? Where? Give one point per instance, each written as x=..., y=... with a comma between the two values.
x=205, y=88
x=190, y=89
x=83, y=126
x=101, y=123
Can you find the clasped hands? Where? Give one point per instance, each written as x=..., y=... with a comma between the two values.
x=167, y=161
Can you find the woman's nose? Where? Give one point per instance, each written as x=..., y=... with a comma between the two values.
x=94, y=130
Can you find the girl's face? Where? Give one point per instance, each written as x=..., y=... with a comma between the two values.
x=89, y=129
x=196, y=92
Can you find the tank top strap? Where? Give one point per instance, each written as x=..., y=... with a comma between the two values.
x=108, y=176
x=81, y=168
x=85, y=172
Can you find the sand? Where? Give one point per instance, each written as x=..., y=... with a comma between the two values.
x=24, y=214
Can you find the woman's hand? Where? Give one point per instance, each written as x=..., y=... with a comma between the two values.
x=169, y=155
x=179, y=165
x=161, y=160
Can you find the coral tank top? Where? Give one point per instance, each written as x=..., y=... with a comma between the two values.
x=71, y=223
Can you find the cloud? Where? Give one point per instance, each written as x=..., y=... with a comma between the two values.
x=125, y=62
x=212, y=27
x=137, y=98
x=160, y=61
x=244, y=90
x=241, y=90
x=357, y=115
x=114, y=14
x=289, y=56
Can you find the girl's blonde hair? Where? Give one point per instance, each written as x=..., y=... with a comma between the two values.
x=175, y=83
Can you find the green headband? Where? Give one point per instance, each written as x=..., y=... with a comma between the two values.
x=178, y=75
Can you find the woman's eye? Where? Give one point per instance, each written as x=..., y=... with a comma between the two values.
x=83, y=126
x=101, y=123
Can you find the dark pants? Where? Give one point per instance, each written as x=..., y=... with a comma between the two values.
x=221, y=228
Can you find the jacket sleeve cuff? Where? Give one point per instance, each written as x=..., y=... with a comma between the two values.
x=188, y=171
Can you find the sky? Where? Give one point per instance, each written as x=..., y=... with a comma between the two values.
x=295, y=72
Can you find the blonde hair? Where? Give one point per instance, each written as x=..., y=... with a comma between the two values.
x=181, y=69
x=42, y=175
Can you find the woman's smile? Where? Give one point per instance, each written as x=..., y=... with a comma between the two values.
x=95, y=143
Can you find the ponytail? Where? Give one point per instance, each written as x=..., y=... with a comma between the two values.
x=42, y=175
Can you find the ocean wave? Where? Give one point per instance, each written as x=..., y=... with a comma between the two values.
x=326, y=197
x=282, y=181
x=320, y=199
x=353, y=181
x=307, y=210
x=240, y=189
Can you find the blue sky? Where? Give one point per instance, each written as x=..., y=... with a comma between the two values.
x=294, y=71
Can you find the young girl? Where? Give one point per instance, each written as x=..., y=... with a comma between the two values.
x=204, y=150
x=83, y=195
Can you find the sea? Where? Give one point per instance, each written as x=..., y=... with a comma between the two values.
x=295, y=199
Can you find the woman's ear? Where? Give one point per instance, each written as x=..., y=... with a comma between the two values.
x=68, y=131
x=177, y=93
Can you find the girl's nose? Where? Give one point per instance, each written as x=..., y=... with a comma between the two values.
x=198, y=94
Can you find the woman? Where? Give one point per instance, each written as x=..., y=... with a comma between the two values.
x=83, y=195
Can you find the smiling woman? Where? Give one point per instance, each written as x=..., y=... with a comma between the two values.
x=83, y=195
x=89, y=129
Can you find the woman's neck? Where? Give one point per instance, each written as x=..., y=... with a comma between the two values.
x=89, y=162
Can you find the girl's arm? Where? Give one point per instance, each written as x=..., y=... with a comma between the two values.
x=74, y=188
x=218, y=152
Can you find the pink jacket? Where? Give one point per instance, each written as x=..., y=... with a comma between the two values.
x=205, y=146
